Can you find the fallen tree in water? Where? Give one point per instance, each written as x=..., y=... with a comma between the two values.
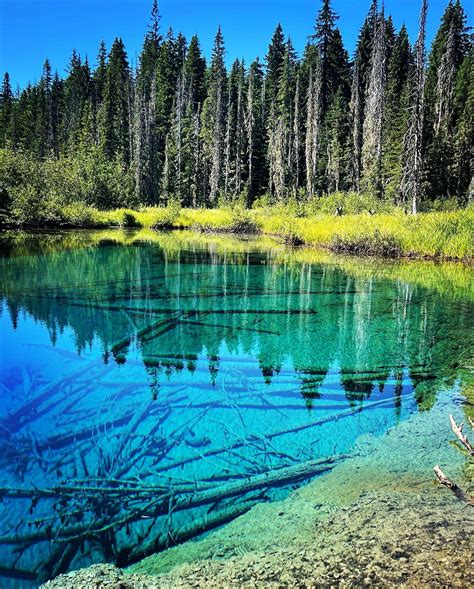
x=158, y=500
x=442, y=478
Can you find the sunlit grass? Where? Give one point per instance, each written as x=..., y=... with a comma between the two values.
x=442, y=235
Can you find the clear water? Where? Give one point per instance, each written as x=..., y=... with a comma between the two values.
x=137, y=376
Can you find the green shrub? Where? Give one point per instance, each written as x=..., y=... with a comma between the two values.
x=375, y=244
x=130, y=220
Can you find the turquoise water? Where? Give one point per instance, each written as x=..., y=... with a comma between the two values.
x=143, y=385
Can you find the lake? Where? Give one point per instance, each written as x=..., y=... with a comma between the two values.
x=155, y=386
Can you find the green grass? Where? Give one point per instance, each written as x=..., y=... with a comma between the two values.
x=440, y=235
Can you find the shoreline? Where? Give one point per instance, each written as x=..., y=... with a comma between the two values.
x=436, y=236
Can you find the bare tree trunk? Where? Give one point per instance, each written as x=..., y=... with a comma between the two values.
x=373, y=122
x=296, y=139
x=313, y=124
x=216, y=166
x=356, y=115
x=445, y=87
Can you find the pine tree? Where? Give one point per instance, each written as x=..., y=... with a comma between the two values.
x=274, y=63
x=450, y=46
x=146, y=156
x=462, y=180
x=213, y=126
x=281, y=127
x=195, y=73
x=296, y=151
x=360, y=83
x=333, y=57
x=412, y=172
x=337, y=122
x=57, y=113
x=173, y=177
x=77, y=89
x=44, y=121
x=235, y=132
x=255, y=124
x=396, y=110
x=6, y=111
x=357, y=118
x=114, y=116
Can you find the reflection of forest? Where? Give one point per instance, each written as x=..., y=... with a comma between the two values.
x=178, y=304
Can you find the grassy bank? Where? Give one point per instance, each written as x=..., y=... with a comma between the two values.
x=440, y=235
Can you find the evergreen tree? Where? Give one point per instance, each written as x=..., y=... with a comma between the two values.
x=274, y=63
x=333, y=57
x=114, y=116
x=44, y=121
x=6, y=111
x=195, y=73
x=281, y=127
x=462, y=178
x=77, y=88
x=400, y=66
x=413, y=164
x=360, y=83
x=235, y=132
x=450, y=47
x=213, y=125
x=256, y=164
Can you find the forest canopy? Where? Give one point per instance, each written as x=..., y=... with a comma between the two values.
x=392, y=121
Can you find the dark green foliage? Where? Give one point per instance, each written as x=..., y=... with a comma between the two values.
x=177, y=130
x=6, y=110
x=114, y=115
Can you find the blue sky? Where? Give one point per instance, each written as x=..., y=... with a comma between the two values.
x=31, y=30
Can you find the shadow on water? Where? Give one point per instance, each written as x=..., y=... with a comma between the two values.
x=155, y=386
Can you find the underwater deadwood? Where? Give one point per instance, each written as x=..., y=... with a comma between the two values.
x=457, y=429
x=460, y=494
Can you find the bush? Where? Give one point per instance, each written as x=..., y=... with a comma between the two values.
x=130, y=220
x=375, y=244
x=242, y=223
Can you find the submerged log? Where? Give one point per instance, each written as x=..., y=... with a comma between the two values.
x=188, y=532
x=281, y=476
x=159, y=502
x=297, y=428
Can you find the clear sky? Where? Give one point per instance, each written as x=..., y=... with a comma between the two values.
x=31, y=30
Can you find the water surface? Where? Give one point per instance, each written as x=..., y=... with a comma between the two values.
x=146, y=378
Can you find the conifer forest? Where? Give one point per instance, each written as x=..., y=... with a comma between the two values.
x=393, y=121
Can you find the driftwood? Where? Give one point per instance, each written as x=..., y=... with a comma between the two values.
x=457, y=429
x=443, y=479
x=460, y=494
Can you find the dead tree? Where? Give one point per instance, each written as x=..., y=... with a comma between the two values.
x=373, y=122
x=313, y=127
x=442, y=478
